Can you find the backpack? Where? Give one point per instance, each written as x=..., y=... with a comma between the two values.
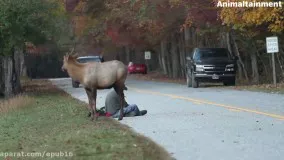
x=102, y=112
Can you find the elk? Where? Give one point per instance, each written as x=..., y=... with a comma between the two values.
x=96, y=76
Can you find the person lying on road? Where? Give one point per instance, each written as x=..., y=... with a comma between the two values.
x=112, y=106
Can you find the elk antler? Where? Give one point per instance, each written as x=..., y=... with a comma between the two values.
x=76, y=55
x=72, y=51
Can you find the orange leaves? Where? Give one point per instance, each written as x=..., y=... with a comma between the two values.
x=200, y=13
x=241, y=17
x=188, y=21
x=81, y=7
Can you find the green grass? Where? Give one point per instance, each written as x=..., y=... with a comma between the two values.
x=55, y=122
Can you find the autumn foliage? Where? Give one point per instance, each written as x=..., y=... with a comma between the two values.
x=180, y=25
x=247, y=18
x=135, y=21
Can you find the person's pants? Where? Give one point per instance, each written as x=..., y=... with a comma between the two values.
x=129, y=111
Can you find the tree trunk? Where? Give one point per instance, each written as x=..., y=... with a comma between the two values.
x=23, y=68
x=16, y=70
x=187, y=38
x=175, y=57
x=7, y=76
x=254, y=66
x=280, y=64
x=168, y=60
x=132, y=57
x=224, y=40
x=122, y=55
x=156, y=57
x=127, y=52
x=10, y=75
x=193, y=37
x=160, y=61
x=241, y=65
x=261, y=61
x=163, y=56
x=281, y=52
x=181, y=50
x=228, y=40
x=229, y=46
x=2, y=80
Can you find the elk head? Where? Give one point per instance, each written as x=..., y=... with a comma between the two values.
x=66, y=59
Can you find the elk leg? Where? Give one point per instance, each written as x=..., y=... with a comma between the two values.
x=94, y=108
x=119, y=91
x=89, y=94
x=122, y=100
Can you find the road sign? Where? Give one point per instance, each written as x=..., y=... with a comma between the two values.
x=147, y=55
x=272, y=47
x=272, y=44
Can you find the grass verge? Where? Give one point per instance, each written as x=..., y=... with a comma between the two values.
x=14, y=103
x=54, y=122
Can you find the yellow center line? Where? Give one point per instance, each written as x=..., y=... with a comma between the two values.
x=196, y=103
x=232, y=108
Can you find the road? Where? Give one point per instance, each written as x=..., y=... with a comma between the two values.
x=203, y=123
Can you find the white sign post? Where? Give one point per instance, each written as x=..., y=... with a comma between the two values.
x=272, y=47
x=147, y=55
x=147, y=58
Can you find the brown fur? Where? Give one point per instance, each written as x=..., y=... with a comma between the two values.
x=96, y=75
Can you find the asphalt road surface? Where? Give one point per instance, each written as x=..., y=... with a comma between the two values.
x=203, y=123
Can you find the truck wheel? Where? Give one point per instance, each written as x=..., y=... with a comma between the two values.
x=194, y=82
x=75, y=84
x=188, y=80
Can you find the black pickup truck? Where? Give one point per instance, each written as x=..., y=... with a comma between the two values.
x=210, y=65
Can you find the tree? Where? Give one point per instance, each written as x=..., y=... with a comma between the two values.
x=34, y=21
x=251, y=26
x=253, y=18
